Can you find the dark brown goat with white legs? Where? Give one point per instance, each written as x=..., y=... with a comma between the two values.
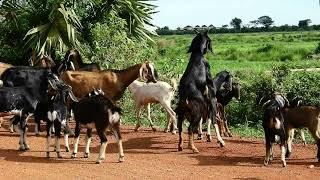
x=112, y=82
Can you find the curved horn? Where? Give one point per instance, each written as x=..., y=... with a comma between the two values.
x=72, y=96
x=52, y=84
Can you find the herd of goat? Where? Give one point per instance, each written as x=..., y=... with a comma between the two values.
x=51, y=91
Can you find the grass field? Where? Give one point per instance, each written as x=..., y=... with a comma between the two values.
x=245, y=55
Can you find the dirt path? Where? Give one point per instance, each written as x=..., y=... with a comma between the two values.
x=154, y=155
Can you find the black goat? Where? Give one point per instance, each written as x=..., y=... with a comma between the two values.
x=273, y=125
x=57, y=115
x=196, y=90
x=73, y=61
x=96, y=110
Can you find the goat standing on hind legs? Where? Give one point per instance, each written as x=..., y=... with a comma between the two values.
x=193, y=104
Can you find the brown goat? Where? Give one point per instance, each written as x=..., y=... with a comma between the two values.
x=302, y=117
x=112, y=82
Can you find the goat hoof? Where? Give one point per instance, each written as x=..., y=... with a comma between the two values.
x=136, y=128
x=265, y=163
x=230, y=135
x=165, y=130
x=271, y=157
x=209, y=139
x=288, y=154
x=74, y=155
x=121, y=159
x=86, y=155
x=180, y=148
x=21, y=148
x=98, y=161
x=222, y=144
x=284, y=165
x=174, y=132
x=195, y=151
x=27, y=148
x=67, y=149
x=154, y=129
x=199, y=137
x=48, y=154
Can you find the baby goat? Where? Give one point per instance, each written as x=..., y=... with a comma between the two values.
x=160, y=92
x=96, y=110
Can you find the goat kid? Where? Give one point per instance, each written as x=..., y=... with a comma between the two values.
x=96, y=110
x=58, y=116
x=160, y=92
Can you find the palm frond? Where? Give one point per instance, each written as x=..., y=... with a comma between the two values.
x=61, y=31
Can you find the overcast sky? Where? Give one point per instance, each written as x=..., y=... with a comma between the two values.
x=179, y=13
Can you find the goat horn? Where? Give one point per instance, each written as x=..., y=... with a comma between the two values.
x=264, y=104
x=72, y=96
x=53, y=85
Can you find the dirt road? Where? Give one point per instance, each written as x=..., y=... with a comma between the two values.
x=151, y=155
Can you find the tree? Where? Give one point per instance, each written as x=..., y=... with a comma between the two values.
x=254, y=23
x=265, y=21
x=188, y=28
x=236, y=23
x=47, y=24
x=304, y=23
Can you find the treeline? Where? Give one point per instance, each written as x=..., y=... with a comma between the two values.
x=285, y=28
x=262, y=24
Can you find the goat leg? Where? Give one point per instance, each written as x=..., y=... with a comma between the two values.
x=200, y=129
x=209, y=138
x=117, y=135
x=104, y=143
x=88, y=141
x=149, y=118
x=220, y=140
x=180, y=120
x=289, y=142
x=138, y=119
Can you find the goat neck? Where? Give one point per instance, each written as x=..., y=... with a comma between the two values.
x=128, y=75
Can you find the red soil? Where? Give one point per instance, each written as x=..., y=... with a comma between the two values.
x=150, y=155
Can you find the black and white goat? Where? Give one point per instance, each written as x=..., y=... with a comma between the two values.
x=273, y=125
x=99, y=112
x=57, y=116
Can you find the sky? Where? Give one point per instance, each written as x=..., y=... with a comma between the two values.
x=179, y=13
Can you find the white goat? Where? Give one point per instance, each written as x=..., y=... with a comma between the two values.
x=160, y=92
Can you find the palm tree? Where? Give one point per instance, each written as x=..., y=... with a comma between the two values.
x=60, y=29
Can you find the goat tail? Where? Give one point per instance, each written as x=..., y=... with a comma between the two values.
x=174, y=84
